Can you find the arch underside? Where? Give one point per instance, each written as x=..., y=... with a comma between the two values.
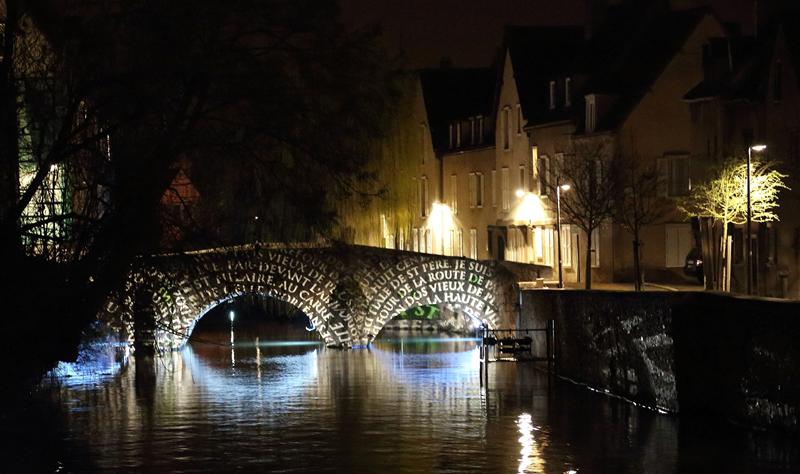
x=348, y=296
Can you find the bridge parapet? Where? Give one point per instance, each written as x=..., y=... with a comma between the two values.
x=348, y=292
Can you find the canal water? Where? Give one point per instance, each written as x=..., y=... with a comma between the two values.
x=278, y=401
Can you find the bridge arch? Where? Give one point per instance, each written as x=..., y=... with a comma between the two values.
x=349, y=293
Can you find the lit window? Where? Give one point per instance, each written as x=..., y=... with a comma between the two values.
x=566, y=245
x=472, y=131
x=476, y=190
x=591, y=113
x=451, y=136
x=473, y=243
x=673, y=175
x=454, y=193
x=423, y=196
x=494, y=188
x=428, y=241
x=544, y=171
x=595, y=248
x=505, y=191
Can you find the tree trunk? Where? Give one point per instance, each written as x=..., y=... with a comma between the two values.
x=637, y=269
x=708, y=253
x=725, y=280
x=589, y=261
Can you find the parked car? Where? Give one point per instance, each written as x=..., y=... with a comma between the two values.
x=694, y=264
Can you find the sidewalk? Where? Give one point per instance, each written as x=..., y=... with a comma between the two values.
x=525, y=285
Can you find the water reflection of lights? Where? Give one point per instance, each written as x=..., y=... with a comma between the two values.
x=97, y=363
x=282, y=376
x=530, y=455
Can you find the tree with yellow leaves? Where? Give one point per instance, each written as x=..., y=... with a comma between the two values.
x=722, y=200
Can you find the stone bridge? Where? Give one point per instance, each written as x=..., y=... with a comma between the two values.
x=348, y=292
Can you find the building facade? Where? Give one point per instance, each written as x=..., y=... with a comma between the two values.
x=636, y=83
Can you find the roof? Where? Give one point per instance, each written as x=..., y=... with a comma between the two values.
x=630, y=53
x=729, y=67
x=455, y=93
x=538, y=55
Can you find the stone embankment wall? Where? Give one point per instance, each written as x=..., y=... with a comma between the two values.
x=682, y=352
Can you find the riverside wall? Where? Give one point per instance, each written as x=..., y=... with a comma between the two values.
x=687, y=352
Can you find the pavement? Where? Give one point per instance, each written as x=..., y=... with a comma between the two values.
x=617, y=286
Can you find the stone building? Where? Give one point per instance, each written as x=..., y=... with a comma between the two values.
x=648, y=80
x=459, y=107
x=749, y=95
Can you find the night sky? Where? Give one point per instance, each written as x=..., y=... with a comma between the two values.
x=469, y=31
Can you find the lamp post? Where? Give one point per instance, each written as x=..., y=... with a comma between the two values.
x=749, y=263
x=559, y=188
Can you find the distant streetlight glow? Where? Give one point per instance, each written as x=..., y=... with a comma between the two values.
x=441, y=221
x=231, y=315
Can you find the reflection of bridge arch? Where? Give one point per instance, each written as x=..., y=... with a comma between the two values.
x=349, y=293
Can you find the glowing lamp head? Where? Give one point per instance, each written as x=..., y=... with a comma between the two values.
x=520, y=193
x=565, y=187
x=758, y=147
x=231, y=315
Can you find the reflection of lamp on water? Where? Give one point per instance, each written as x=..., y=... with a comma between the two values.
x=530, y=453
x=750, y=151
x=231, y=315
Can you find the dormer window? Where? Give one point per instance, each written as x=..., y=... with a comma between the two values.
x=480, y=130
x=472, y=131
x=458, y=135
x=552, y=95
x=568, y=92
x=591, y=113
x=451, y=136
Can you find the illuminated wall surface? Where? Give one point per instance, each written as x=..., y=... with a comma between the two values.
x=349, y=293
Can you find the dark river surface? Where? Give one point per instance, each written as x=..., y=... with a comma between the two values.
x=410, y=403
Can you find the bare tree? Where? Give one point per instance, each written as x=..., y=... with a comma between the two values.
x=589, y=171
x=638, y=204
x=106, y=98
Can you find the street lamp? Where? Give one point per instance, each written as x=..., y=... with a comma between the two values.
x=749, y=265
x=559, y=188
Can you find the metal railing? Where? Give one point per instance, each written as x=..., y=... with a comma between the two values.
x=516, y=345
